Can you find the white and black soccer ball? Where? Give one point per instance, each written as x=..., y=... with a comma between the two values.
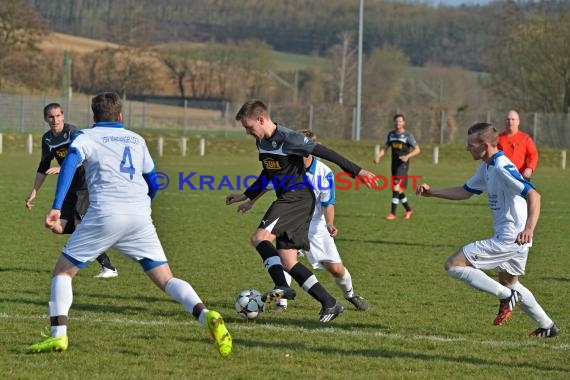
x=249, y=304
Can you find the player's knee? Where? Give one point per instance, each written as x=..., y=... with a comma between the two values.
x=336, y=269
x=455, y=272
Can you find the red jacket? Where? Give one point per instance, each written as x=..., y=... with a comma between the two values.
x=520, y=149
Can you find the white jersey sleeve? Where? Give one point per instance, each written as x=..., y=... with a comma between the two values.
x=478, y=183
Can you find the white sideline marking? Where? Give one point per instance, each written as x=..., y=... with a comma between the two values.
x=532, y=342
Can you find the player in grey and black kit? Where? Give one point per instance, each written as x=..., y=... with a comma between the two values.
x=281, y=152
x=55, y=144
x=404, y=147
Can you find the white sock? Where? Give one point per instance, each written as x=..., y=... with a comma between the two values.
x=288, y=278
x=202, y=316
x=60, y=301
x=479, y=280
x=531, y=307
x=182, y=292
x=345, y=283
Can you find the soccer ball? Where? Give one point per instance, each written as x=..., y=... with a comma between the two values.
x=249, y=304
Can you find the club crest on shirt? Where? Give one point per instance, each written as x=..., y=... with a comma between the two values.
x=271, y=164
x=61, y=153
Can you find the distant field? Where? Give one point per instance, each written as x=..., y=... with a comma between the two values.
x=62, y=41
x=421, y=323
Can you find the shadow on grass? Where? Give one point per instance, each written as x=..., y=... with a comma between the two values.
x=24, y=270
x=561, y=279
x=398, y=243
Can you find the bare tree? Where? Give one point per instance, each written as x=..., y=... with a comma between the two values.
x=532, y=68
x=20, y=27
x=343, y=56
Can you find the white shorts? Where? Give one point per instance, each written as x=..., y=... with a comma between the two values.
x=323, y=247
x=133, y=235
x=495, y=254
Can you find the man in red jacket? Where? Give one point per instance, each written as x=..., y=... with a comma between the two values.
x=518, y=146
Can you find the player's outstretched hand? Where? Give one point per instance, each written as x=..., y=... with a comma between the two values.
x=245, y=207
x=369, y=178
x=52, y=218
x=233, y=198
x=30, y=200
x=53, y=170
x=423, y=190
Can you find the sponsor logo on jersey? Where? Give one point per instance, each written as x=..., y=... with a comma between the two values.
x=61, y=153
x=271, y=164
x=397, y=145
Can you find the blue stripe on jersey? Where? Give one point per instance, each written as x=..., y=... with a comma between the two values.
x=515, y=173
x=68, y=168
x=74, y=136
x=109, y=124
x=148, y=264
x=152, y=190
x=78, y=264
x=331, y=200
x=472, y=191
x=494, y=158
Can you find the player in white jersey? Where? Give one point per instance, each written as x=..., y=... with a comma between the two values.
x=119, y=174
x=323, y=253
x=515, y=206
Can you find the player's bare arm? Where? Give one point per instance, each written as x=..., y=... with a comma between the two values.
x=380, y=154
x=40, y=178
x=328, y=212
x=533, y=209
x=413, y=153
x=453, y=193
x=234, y=198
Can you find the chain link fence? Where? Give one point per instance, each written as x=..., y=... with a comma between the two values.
x=23, y=113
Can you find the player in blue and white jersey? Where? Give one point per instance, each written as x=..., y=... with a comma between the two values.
x=404, y=147
x=515, y=206
x=55, y=144
x=119, y=173
x=323, y=253
x=281, y=151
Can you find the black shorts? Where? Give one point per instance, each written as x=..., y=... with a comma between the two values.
x=74, y=207
x=82, y=203
x=289, y=217
x=400, y=175
x=68, y=206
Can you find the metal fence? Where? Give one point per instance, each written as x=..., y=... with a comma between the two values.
x=23, y=113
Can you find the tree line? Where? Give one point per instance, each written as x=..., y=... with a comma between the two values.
x=459, y=36
x=523, y=47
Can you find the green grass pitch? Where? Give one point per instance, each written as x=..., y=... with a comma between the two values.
x=421, y=323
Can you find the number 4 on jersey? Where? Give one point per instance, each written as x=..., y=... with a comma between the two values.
x=127, y=159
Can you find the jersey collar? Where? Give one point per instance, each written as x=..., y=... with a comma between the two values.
x=313, y=166
x=494, y=158
x=109, y=124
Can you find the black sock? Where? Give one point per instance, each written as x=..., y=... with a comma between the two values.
x=394, y=202
x=272, y=262
x=105, y=261
x=303, y=275
x=404, y=201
